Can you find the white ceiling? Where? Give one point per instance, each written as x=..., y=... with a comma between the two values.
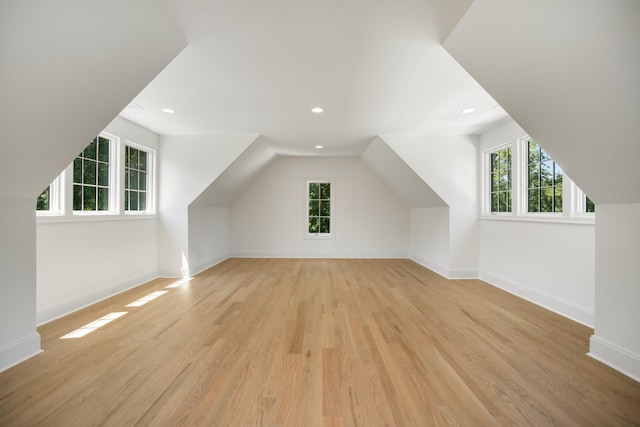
x=375, y=66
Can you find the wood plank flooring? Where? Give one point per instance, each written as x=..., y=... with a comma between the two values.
x=277, y=342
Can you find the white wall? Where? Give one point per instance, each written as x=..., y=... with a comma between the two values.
x=429, y=240
x=208, y=237
x=448, y=164
x=188, y=165
x=76, y=255
x=19, y=339
x=269, y=218
x=551, y=264
x=616, y=340
x=84, y=261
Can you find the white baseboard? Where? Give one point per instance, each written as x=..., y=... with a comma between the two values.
x=19, y=351
x=558, y=305
x=444, y=272
x=617, y=358
x=208, y=264
x=60, y=309
x=314, y=255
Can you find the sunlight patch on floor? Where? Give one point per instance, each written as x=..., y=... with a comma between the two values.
x=87, y=329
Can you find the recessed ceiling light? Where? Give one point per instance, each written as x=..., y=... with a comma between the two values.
x=319, y=147
x=468, y=110
x=168, y=110
x=317, y=110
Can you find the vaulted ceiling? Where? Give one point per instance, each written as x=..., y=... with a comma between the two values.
x=259, y=67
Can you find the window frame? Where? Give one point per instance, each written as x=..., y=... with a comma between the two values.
x=488, y=171
x=56, y=198
x=113, y=186
x=332, y=217
x=151, y=187
x=573, y=199
x=524, y=181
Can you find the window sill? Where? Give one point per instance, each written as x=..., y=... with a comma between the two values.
x=577, y=220
x=54, y=219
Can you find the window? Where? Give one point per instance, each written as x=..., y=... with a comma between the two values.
x=544, y=182
x=590, y=207
x=521, y=180
x=44, y=200
x=319, y=208
x=91, y=177
x=112, y=176
x=500, y=180
x=136, y=179
x=49, y=202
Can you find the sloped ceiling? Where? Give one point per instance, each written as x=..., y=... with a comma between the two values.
x=67, y=69
x=400, y=177
x=375, y=66
x=240, y=174
x=568, y=73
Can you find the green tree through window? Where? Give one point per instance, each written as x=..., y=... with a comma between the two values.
x=501, y=180
x=544, y=181
x=91, y=177
x=319, y=196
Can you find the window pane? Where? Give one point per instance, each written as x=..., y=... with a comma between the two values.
x=43, y=202
x=103, y=150
x=503, y=202
x=142, y=160
x=90, y=151
x=494, y=202
x=89, y=198
x=509, y=201
x=103, y=199
x=77, y=197
x=558, y=200
x=534, y=152
x=325, y=190
x=133, y=158
x=103, y=174
x=314, y=208
x=546, y=199
x=495, y=181
x=558, y=175
x=142, y=202
x=313, y=224
x=143, y=181
x=590, y=206
x=314, y=190
x=126, y=156
x=133, y=200
x=534, y=176
x=133, y=179
x=89, y=176
x=546, y=174
x=325, y=208
x=126, y=179
x=126, y=199
x=77, y=170
x=533, y=204
x=325, y=225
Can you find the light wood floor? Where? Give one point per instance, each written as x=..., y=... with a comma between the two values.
x=318, y=343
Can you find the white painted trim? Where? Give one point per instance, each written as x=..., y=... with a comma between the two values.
x=327, y=255
x=78, y=302
x=208, y=264
x=462, y=273
x=19, y=351
x=438, y=269
x=558, y=305
x=615, y=357
x=451, y=274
